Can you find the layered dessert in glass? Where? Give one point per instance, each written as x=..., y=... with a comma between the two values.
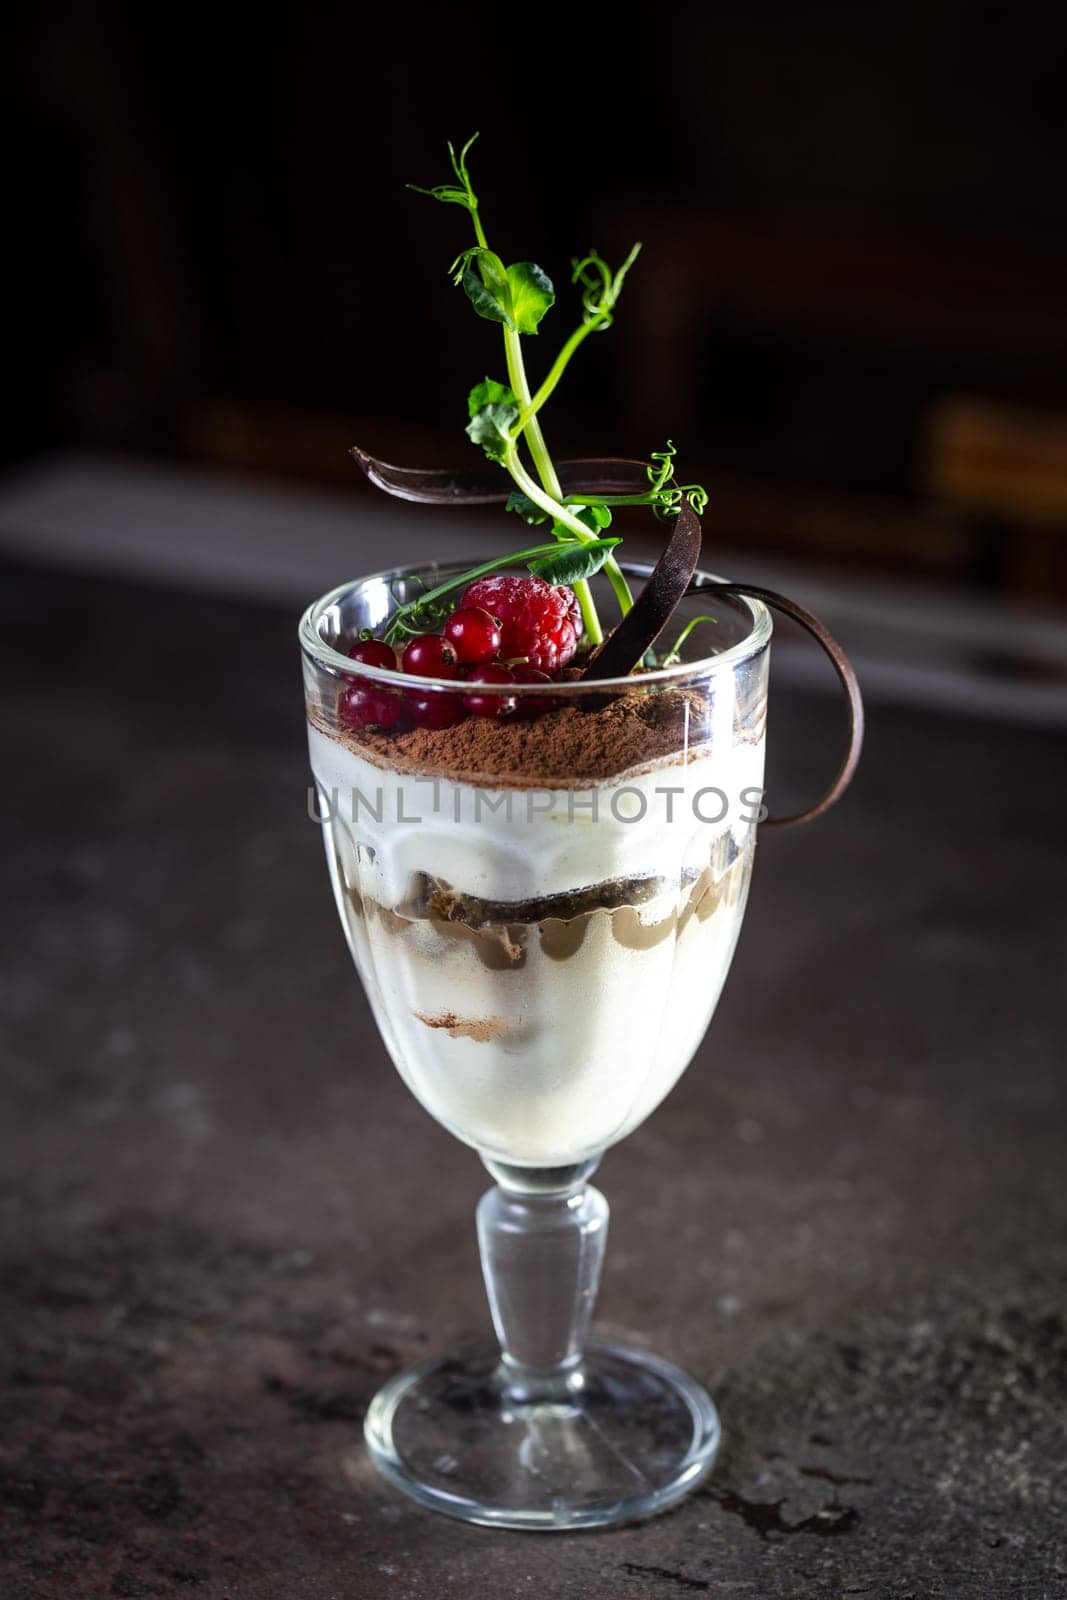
x=541, y=884
x=586, y=861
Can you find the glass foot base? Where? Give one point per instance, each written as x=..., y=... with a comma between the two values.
x=633, y=1437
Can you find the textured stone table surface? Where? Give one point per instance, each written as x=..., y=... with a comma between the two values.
x=225, y=1221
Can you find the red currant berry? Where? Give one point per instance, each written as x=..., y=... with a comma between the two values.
x=437, y=710
x=373, y=653
x=490, y=705
x=362, y=705
x=473, y=634
x=430, y=656
x=394, y=715
x=533, y=705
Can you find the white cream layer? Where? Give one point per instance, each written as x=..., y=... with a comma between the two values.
x=553, y=1059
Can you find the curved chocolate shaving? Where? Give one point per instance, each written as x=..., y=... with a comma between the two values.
x=607, y=475
x=625, y=647
x=432, y=485
x=841, y=665
x=486, y=485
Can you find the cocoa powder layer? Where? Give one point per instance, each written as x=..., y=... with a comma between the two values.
x=627, y=734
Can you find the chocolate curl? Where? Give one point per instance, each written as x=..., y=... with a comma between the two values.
x=484, y=486
x=630, y=640
x=846, y=676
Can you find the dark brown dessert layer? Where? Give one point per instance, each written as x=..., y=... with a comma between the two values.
x=434, y=898
x=563, y=748
x=499, y=936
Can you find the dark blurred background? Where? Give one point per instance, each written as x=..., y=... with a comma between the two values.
x=850, y=311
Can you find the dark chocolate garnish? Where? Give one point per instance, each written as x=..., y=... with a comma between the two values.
x=482, y=486
x=847, y=677
x=626, y=646
x=431, y=485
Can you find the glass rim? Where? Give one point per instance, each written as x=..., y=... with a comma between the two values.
x=314, y=646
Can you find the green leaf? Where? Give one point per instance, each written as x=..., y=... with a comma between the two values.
x=595, y=517
x=491, y=428
x=486, y=393
x=517, y=501
x=531, y=295
x=493, y=275
x=485, y=282
x=573, y=562
x=517, y=296
x=484, y=301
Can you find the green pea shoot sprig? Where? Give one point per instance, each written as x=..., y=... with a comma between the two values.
x=504, y=418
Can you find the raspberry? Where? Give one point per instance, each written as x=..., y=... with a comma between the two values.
x=537, y=622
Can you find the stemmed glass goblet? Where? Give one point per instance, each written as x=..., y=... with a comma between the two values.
x=543, y=906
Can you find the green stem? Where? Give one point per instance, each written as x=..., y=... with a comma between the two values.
x=559, y=513
x=546, y=471
x=530, y=407
x=652, y=498
x=672, y=655
x=620, y=588
x=554, y=509
x=520, y=388
x=479, y=231
x=548, y=503
x=529, y=426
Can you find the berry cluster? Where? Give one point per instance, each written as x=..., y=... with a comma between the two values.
x=505, y=630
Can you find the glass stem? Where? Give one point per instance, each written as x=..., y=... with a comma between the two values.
x=541, y=1234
